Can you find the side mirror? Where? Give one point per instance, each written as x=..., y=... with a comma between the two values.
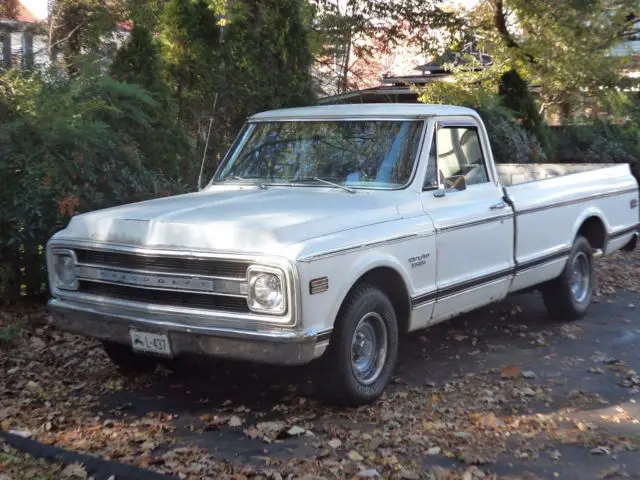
x=456, y=182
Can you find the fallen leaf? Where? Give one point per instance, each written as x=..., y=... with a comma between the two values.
x=371, y=473
x=610, y=472
x=74, y=470
x=601, y=450
x=335, y=443
x=235, y=421
x=32, y=386
x=512, y=371
x=295, y=431
x=37, y=343
x=408, y=475
x=355, y=456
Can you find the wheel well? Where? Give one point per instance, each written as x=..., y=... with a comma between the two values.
x=391, y=282
x=593, y=230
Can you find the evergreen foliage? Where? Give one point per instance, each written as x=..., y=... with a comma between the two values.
x=190, y=35
x=138, y=63
x=268, y=65
x=516, y=96
x=68, y=146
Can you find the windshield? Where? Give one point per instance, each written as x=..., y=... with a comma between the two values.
x=366, y=153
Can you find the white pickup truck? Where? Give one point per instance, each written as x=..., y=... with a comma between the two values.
x=327, y=233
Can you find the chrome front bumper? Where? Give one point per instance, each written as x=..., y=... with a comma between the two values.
x=274, y=346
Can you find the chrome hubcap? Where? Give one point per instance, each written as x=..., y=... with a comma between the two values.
x=369, y=348
x=580, y=277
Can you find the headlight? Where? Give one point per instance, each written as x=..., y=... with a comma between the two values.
x=64, y=270
x=267, y=290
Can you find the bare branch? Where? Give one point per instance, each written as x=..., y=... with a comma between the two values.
x=62, y=40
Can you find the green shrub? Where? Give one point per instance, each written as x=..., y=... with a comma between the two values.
x=599, y=143
x=69, y=146
x=9, y=334
x=510, y=141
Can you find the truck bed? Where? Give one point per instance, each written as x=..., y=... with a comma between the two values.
x=517, y=173
x=551, y=201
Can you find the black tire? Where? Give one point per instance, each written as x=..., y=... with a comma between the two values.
x=561, y=300
x=366, y=309
x=127, y=361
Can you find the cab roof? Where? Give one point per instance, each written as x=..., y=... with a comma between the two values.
x=365, y=110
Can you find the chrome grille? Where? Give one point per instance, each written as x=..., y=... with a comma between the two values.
x=165, y=264
x=163, y=297
x=184, y=282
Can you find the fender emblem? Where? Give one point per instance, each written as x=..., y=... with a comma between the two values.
x=634, y=203
x=419, y=260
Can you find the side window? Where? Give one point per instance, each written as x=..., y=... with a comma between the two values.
x=460, y=153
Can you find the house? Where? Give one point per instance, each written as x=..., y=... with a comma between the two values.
x=25, y=39
x=400, y=88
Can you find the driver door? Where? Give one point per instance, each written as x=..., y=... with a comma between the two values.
x=474, y=225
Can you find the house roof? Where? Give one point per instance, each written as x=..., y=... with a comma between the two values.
x=454, y=58
x=25, y=15
x=381, y=94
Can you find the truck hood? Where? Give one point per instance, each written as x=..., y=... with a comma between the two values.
x=233, y=219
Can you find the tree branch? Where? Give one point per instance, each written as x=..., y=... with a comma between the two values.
x=62, y=40
x=500, y=22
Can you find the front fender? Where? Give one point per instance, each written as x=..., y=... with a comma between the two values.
x=364, y=264
x=343, y=271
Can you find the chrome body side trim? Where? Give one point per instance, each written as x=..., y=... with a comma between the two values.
x=621, y=232
x=577, y=200
x=474, y=223
x=489, y=279
x=364, y=246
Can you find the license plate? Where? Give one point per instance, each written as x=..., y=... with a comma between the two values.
x=150, y=343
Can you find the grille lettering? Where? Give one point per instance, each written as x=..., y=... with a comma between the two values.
x=131, y=278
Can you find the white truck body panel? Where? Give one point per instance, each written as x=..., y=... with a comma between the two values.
x=451, y=251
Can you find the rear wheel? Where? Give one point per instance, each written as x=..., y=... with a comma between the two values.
x=127, y=361
x=362, y=352
x=568, y=297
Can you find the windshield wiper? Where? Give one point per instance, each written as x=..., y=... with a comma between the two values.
x=260, y=185
x=326, y=182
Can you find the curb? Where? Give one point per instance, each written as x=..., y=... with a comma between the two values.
x=98, y=468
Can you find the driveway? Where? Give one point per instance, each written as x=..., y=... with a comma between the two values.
x=502, y=391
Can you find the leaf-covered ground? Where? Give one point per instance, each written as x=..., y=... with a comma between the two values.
x=16, y=464
x=500, y=393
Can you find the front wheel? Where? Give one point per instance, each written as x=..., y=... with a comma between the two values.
x=568, y=296
x=362, y=352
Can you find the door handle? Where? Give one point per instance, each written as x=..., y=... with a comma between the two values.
x=498, y=206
